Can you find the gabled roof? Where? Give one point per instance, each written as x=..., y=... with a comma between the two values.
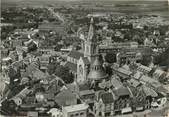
x=134, y=82
x=137, y=75
x=76, y=55
x=124, y=71
x=65, y=97
x=116, y=83
x=149, y=92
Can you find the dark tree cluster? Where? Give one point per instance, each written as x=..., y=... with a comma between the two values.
x=163, y=59
x=110, y=57
x=61, y=71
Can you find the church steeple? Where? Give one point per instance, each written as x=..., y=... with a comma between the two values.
x=91, y=30
x=90, y=43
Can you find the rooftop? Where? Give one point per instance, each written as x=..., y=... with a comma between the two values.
x=74, y=108
x=86, y=92
x=76, y=54
x=65, y=97
x=116, y=83
x=124, y=71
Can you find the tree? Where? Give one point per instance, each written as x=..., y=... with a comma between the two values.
x=52, y=67
x=163, y=58
x=32, y=47
x=60, y=71
x=146, y=60
x=58, y=47
x=108, y=70
x=64, y=74
x=110, y=57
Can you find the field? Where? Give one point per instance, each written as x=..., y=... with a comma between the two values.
x=159, y=7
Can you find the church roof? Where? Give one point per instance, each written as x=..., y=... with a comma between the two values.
x=76, y=54
x=97, y=71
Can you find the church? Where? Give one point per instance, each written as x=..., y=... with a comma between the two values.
x=86, y=64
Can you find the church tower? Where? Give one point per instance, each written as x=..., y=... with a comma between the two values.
x=90, y=49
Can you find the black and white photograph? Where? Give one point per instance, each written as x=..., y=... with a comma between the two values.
x=84, y=58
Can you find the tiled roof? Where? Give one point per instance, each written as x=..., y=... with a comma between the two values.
x=76, y=54
x=66, y=98
x=151, y=81
x=124, y=71
x=71, y=66
x=123, y=91
x=134, y=82
x=137, y=75
x=149, y=92
x=107, y=98
x=142, y=67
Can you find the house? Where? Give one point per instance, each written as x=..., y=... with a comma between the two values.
x=104, y=104
x=150, y=82
x=78, y=110
x=116, y=83
x=150, y=96
x=122, y=97
x=122, y=72
x=18, y=99
x=87, y=96
x=44, y=62
x=137, y=75
x=133, y=82
x=138, y=98
x=55, y=112
x=144, y=69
